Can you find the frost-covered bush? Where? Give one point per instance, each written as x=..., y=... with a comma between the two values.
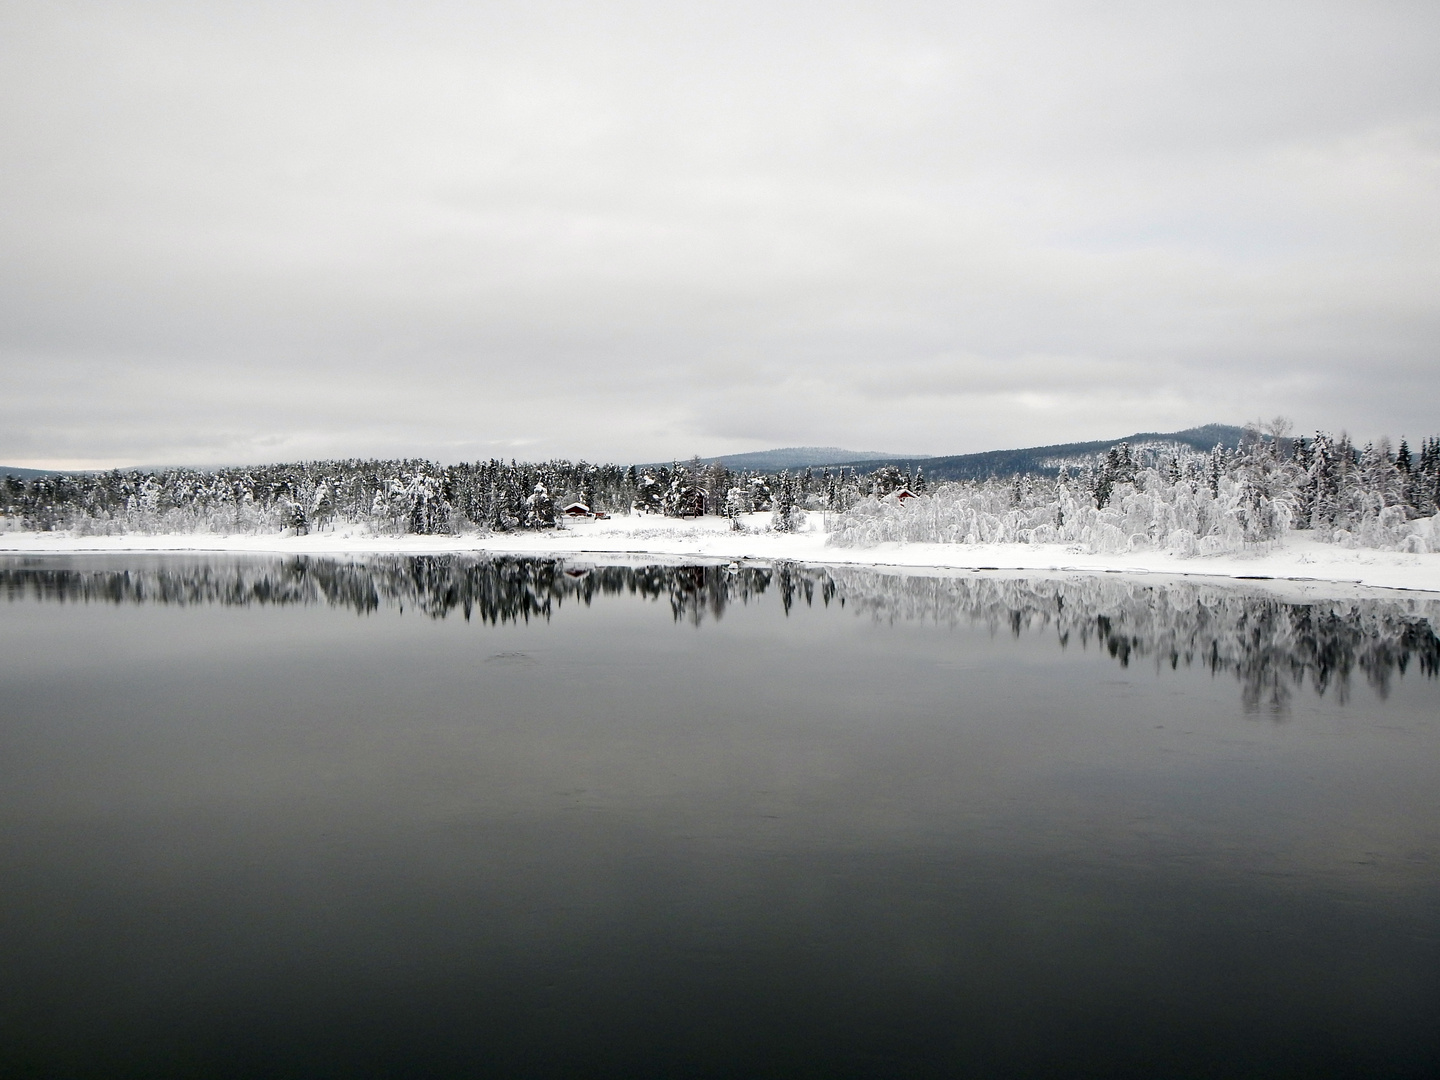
x=1150, y=514
x=1225, y=501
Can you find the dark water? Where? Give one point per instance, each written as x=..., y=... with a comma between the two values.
x=417, y=817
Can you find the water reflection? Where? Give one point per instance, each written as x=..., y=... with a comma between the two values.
x=1273, y=645
x=254, y=822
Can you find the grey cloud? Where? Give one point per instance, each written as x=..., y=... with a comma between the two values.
x=640, y=230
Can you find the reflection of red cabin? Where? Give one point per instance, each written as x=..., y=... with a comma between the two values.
x=576, y=509
x=905, y=493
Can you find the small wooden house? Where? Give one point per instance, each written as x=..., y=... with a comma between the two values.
x=576, y=510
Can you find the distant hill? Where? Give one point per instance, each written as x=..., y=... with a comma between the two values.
x=28, y=474
x=798, y=457
x=1034, y=459
x=1046, y=460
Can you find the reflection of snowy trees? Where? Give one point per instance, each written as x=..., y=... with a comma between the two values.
x=492, y=590
x=1272, y=646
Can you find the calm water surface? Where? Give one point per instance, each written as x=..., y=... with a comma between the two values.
x=436, y=816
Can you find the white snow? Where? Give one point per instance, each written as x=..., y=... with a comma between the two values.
x=1300, y=557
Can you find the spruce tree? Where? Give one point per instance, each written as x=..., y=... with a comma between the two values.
x=784, y=517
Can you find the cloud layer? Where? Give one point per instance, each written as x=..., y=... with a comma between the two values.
x=630, y=231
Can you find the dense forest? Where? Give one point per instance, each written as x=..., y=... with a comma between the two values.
x=414, y=496
x=1188, y=503
x=1153, y=494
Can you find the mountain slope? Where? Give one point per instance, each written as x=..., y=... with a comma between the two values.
x=794, y=457
x=27, y=474
x=1038, y=459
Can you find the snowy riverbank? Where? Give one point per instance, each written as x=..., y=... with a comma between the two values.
x=1299, y=557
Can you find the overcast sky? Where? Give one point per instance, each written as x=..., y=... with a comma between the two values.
x=251, y=232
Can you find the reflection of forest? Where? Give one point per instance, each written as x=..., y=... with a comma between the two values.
x=1270, y=644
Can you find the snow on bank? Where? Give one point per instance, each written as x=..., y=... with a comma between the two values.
x=1300, y=557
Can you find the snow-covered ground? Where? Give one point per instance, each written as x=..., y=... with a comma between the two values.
x=1300, y=557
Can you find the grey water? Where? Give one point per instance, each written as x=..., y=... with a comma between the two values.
x=463, y=817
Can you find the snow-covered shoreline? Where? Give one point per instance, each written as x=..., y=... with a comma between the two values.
x=1299, y=558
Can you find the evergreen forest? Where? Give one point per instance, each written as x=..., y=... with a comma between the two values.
x=1154, y=494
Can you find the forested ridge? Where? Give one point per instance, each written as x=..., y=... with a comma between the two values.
x=1155, y=498
x=1154, y=494
x=410, y=496
x=1167, y=498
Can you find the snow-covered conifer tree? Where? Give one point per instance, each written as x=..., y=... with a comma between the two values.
x=1263, y=496
x=587, y=487
x=1324, y=483
x=760, y=495
x=1216, y=470
x=540, y=509
x=1125, y=465
x=649, y=495
x=322, y=507
x=786, y=515
x=886, y=479
x=495, y=509
x=1105, y=479
x=737, y=502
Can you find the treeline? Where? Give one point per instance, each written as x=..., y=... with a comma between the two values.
x=1151, y=496
x=1187, y=503
x=413, y=496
